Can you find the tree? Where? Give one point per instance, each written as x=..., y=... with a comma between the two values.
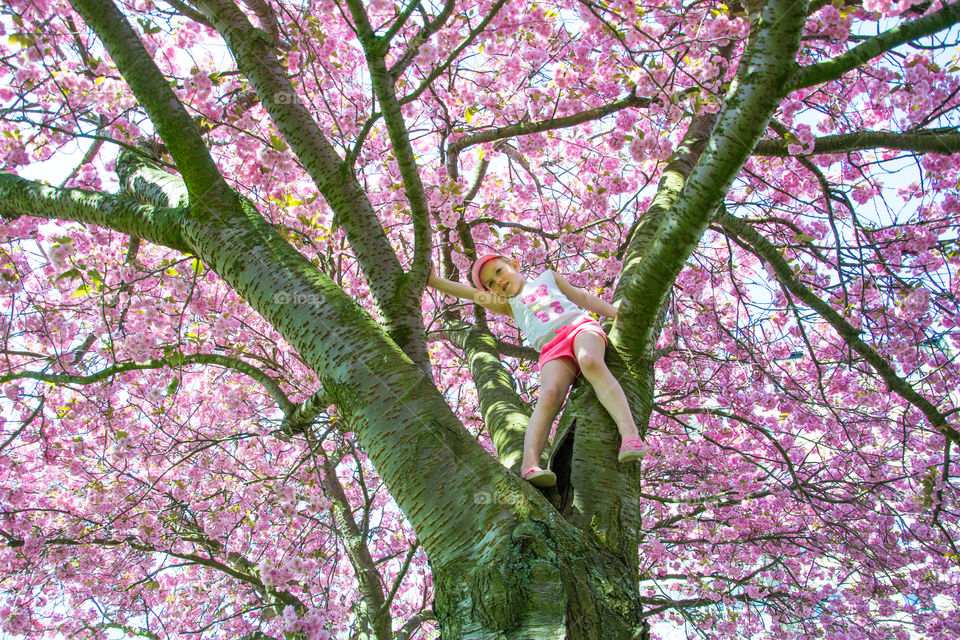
x=232, y=411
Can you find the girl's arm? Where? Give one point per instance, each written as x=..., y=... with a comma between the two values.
x=583, y=299
x=495, y=303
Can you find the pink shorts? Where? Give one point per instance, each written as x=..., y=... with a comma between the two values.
x=562, y=345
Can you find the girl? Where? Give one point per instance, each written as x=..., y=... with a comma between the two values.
x=548, y=311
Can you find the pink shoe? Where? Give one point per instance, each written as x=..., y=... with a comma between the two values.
x=538, y=477
x=632, y=449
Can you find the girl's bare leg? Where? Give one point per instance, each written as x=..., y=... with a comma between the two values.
x=589, y=348
x=556, y=377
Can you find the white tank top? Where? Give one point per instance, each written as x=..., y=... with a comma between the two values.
x=540, y=308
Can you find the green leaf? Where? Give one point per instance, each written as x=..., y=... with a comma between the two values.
x=22, y=40
x=72, y=273
x=278, y=143
x=148, y=27
x=95, y=276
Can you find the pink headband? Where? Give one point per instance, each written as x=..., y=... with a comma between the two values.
x=475, y=271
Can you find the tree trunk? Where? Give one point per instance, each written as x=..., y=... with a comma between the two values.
x=544, y=580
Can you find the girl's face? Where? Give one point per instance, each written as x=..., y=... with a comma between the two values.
x=501, y=277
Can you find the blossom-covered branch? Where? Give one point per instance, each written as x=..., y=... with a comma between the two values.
x=384, y=86
x=526, y=128
x=173, y=124
x=175, y=361
x=844, y=329
x=886, y=41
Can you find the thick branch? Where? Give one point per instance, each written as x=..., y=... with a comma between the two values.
x=878, y=45
x=371, y=582
x=147, y=182
x=411, y=625
x=504, y=413
x=847, y=332
x=401, y=575
x=396, y=298
x=674, y=176
x=160, y=225
x=186, y=10
x=944, y=142
x=641, y=365
x=303, y=415
x=268, y=19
